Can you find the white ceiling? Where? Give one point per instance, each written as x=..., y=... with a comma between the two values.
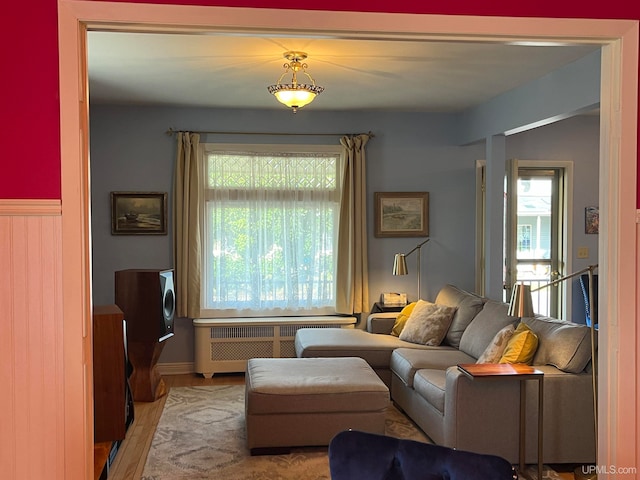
x=223, y=70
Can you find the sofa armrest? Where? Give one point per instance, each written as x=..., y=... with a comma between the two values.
x=381, y=322
x=568, y=416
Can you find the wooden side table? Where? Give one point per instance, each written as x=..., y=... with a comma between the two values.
x=522, y=373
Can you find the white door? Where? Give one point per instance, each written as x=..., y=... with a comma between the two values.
x=536, y=232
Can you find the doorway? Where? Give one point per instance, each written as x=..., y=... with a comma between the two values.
x=536, y=236
x=618, y=162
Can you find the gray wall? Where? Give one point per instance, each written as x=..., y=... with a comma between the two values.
x=410, y=152
x=575, y=139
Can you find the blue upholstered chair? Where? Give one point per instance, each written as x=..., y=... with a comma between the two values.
x=355, y=455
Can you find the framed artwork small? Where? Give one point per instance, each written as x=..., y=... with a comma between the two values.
x=138, y=213
x=401, y=214
x=591, y=220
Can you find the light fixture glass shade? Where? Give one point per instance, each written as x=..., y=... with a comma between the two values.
x=521, y=304
x=400, y=264
x=294, y=96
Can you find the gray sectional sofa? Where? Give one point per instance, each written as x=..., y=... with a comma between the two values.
x=480, y=416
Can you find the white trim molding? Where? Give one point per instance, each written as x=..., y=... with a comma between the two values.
x=619, y=422
x=9, y=207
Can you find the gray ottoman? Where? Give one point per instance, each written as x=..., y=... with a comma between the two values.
x=307, y=401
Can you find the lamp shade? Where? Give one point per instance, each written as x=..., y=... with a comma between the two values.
x=521, y=304
x=295, y=95
x=400, y=264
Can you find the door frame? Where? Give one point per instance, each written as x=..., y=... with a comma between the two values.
x=566, y=253
x=618, y=422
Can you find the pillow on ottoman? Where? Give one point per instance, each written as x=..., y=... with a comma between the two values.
x=427, y=324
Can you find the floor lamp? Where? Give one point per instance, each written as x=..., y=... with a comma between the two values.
x=400, y=264
x=521, y=305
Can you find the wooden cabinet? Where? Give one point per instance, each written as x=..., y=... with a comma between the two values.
x=113, y=406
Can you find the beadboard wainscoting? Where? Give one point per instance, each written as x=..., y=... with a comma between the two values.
x=31, y=344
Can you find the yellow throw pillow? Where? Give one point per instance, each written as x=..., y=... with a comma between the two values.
x=401, y=319
x=521, y=347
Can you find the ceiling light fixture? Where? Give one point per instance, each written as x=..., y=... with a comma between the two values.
x=295, y=95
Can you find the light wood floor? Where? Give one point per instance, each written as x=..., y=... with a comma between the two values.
x=133, y=451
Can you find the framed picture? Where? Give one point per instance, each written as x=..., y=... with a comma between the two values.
x=138, y=213
x=401, y=214
x=591, y=220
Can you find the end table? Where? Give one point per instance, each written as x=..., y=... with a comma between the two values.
x=519, y=372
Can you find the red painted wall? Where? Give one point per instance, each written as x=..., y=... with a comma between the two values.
x=29, y=82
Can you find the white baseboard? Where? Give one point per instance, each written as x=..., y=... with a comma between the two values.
x=177, y=368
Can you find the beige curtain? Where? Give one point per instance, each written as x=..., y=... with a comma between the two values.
x=352, y=271
x=188, y=193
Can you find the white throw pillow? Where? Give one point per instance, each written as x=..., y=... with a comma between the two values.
x=428, y=323
x=497, y=346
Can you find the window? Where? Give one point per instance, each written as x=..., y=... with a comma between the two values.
x=524, y=239
x=270, y=228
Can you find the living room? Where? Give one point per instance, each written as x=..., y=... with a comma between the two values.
x=58, y=204
x=411, y=151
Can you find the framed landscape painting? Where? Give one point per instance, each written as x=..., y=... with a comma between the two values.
x=401, y=214
x=138, y=213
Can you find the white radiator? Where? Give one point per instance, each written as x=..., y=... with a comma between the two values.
x=225, y=344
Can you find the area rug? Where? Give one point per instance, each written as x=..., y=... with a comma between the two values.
x=201, y=435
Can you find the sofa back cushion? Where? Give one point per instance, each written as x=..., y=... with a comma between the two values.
x=480, y=332
x=565, y=345
x=468, y=305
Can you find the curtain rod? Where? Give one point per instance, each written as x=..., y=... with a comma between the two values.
x=171, y=131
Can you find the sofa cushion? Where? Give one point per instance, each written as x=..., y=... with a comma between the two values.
x=305, y=385
x=405, y=362
x=468, y=305
x=427, y=324
x=349, y=342
x=495, y=349
x=402, y=318
x=430, y=384
x=491, y=319
x=521, y=347
x=565, y=345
